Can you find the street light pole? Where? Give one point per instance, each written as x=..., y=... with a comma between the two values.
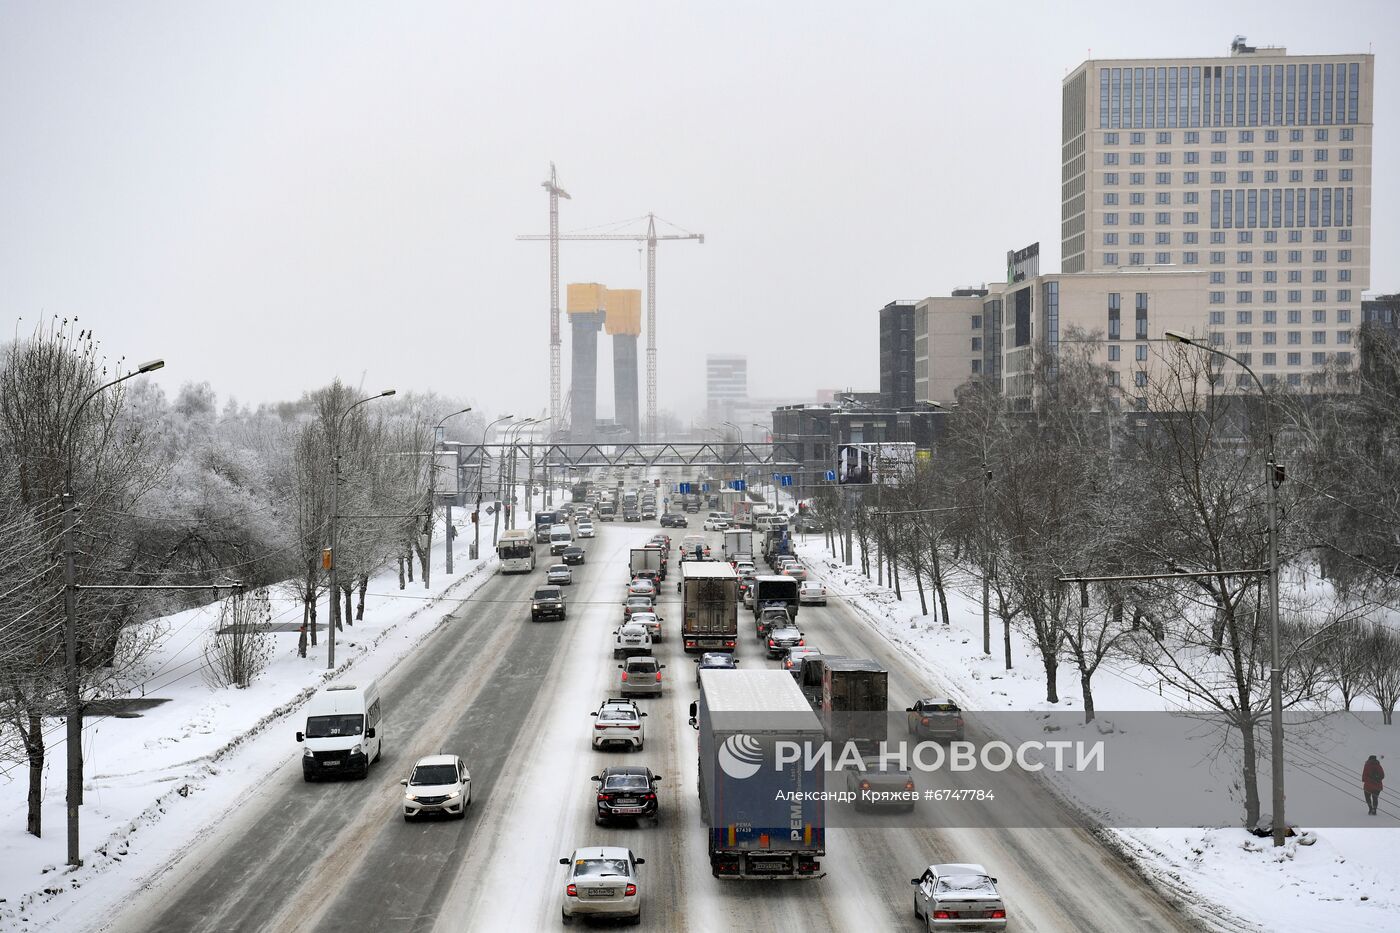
x=73, y=682
x=432, y=501
x=508, y=476
x=1271, y=480
x=480, y=473
x=328, y=559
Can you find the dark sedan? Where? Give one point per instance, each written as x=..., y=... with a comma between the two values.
x=626, y=791
x=572, y=555
x=674, y=520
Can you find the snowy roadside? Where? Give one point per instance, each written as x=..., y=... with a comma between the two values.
x=157, y=782
x=1343, y=882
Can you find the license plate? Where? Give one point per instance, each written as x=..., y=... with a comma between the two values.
x=331, y=763
x=769, y=866
x=600, y=892
x=627, y=809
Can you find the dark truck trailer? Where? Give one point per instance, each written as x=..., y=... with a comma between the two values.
x=773, y=590
x=709, y=606
x=762, y=822
x=854, y=702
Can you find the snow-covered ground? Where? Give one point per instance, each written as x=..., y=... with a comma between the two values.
x=153, y=781
x=1346, y=881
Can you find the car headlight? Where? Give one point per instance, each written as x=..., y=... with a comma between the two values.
x=534, y=605
x=306, y=753
x=356, y=750
x=410, y=796
x=455, y=793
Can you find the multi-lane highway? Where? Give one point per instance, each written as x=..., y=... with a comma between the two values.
x=512, y=697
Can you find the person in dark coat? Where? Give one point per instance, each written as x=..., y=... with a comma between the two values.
x=1372, y=774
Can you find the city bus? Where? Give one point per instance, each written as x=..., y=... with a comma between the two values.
x=516, y=549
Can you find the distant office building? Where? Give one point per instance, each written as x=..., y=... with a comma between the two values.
x=1254, y=169
x=948, y=337
x=726, y=385
x=897, y=354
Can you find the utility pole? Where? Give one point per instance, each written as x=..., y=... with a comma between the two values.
x=480, y=474
x=73, y=680
x=328, y=557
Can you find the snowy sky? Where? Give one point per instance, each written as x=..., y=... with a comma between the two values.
x=271, y=194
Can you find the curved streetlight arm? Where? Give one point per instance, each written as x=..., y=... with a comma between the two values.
x=152, y=366
x=340, y=422
x=1179, y=337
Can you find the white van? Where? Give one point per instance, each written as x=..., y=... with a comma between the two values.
x=342, y=729
x=560, y=537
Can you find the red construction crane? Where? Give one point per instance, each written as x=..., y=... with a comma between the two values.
x=651, y=238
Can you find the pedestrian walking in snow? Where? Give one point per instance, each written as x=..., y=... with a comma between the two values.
x=1372, y=776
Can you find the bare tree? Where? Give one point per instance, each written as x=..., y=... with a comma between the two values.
x=1383, y=673
x=240, y=646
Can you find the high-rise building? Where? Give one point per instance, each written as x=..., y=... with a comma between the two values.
x=1253, y=168
x=726, y=385
x=897, y=354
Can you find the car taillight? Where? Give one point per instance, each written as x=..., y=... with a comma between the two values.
x=600, y=725
x=658, y=677
x=996, y=914
x=636, y=727
x=801, y=642
x=571, y=890
x=729, y=643
x=604, y=797
x=772, y=643
x=942, y=915
x=631, y=891
x=690, y=643
x=650, y=796
x=923, y=721
x=624, y=676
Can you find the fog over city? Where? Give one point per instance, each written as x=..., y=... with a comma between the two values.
x=272, y=195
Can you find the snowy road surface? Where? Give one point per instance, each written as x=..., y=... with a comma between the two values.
x=513, y=699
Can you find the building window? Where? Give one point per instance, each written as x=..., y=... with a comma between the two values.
x=1137, y=178
x=976, y=367
x=1343, y=255
x=1319, y=174
x=976, y=322
x=1135, y=259
x=1110, y=198
x=1344, y=294
x=1137, y=197
x=1217, y=339
x=1217, y=178
x=1137, y=158
x=1115, y=306
x=976, y=344
x=1217, y=317
x=1270, y=155
x=1164, y=139
x=1110, y=139
x=1110, y=259
x=1319, y=336
x=1270, y=337
x=1193, y=138
x=1295, y=315
x=1164, y=238
x=1295, y=155
x=1343, y=357
x=1139, y=378
x=1141, y=315
x=1343, y=275
x=1294, y=295
x=1113, y=353
x=1246, y=156
x=1137, y=239
x=1217, y=298
x=1110, y=158
x=1244, y=256
x=1244, y=317
x=1243, y=338
x=1319, y=359
x=1244, y=236
x=1137, y=139
x=1344, y=337
x=1343, y=315
x=1137, y=218
x=1164, y=218
x=1191, y=178
x=1217, y=257
x=1343, y=174
x=1110, y=218
x=1319, y=155
x=1319, y=236
x=1163, y=259
x=1271, y=177
x=1110, y=178
x=1270, y=359
x=1247, y=178
x=1217, y=157
x=1163, y=158
x=1270, y=277
x=1295, y=359
x=1295, y=337
x=1191, y=197
x=1319, y=295
x=1141, y=352
x=1193, y=158
x=1191, y=258
x=1190, y=237
x=1347, y=134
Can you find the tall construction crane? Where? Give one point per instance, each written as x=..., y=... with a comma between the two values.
x=651, y=238
x=551, y=185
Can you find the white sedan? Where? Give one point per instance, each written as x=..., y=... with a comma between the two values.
x=438, y=784
x=811, y=593
x=632, y=638
x=585, y=529
x=651, y=620
x=715, y=524
x=602, y=882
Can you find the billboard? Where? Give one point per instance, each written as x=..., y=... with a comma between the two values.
x=853, y=462
x=445, y=480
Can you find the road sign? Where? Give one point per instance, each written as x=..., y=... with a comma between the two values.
x=787, y=479
x=831, y=476
x=738, y=485
x=683, y=489
x=704, y=487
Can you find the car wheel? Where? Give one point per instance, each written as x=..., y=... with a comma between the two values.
x=636, y=919
x=567, y=919
x=598, y=819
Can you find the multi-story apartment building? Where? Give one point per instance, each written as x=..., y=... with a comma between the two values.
x=726, y=384
x=1254, y=169
x=948, y=338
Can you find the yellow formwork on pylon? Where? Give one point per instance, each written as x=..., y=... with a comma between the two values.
x=624, y=307
x=587, y=298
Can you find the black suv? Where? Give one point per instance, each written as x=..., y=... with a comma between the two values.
x=674, y=520
x=547, y=604
x=627, y=791
x=631, y=515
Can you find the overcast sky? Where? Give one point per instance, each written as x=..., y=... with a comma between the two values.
x=272, y=194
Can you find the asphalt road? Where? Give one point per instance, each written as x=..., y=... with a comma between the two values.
x=513, y=697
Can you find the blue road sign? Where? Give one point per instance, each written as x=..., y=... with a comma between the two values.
x=787, y=479
x=738, y=485
x=831, y=476
x=704, y=487
x=684, y=488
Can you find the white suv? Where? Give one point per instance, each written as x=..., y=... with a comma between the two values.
x=619, y=722
x=602, y=882
x=438, y=784
x=585, y=529
x=632, y=638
